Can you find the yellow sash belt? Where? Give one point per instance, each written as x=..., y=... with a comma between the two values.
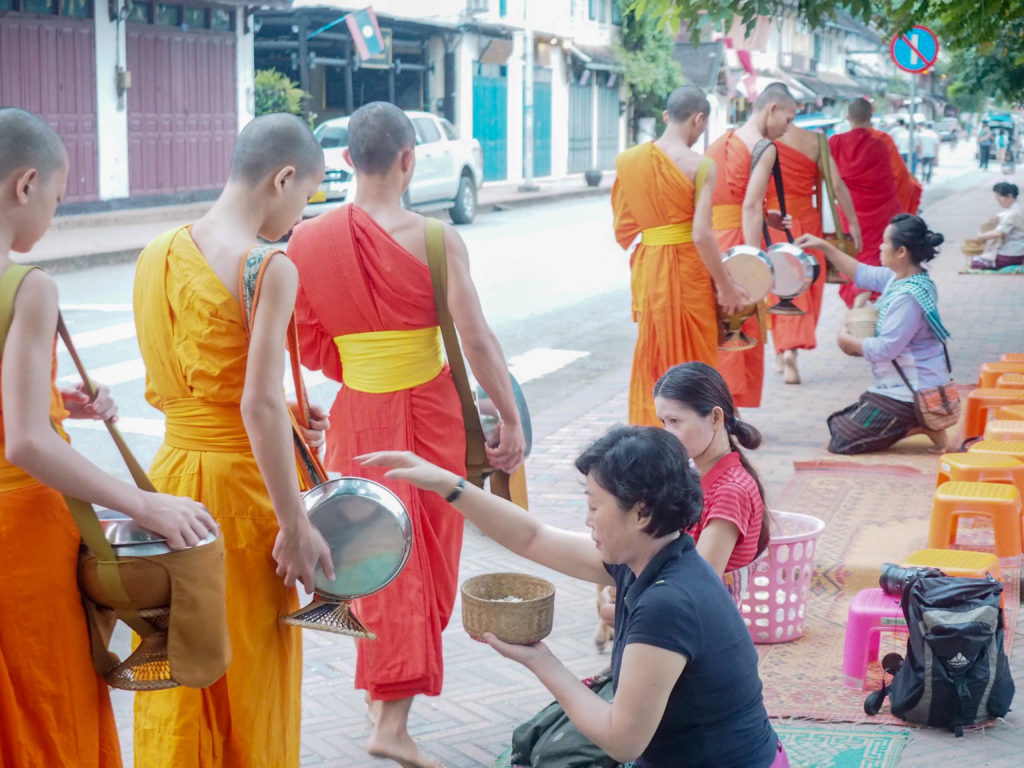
x=387, y=361
x=198, y=425
x=726, y=217
x=669, y=234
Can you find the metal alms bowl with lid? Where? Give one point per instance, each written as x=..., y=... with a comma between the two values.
x=490, y=419
x=370, y=536
x=794, y=272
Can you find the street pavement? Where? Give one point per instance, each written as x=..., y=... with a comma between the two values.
x=486, y=696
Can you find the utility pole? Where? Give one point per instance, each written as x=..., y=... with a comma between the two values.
x=527, y=185
x=912, y=147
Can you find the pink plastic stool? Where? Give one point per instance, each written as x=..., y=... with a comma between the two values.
x=871, y=613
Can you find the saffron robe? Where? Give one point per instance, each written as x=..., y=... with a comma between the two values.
x=54, y=709
x=742, y=371
x=674, y=302
x=908, y=189
x=355, y=278
x=801, y=180
x=193, y=340
x=864, y=164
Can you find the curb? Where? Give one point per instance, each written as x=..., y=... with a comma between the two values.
x=64, y=264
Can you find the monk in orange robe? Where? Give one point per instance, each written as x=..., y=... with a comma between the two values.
x=54, y=709
x=366, y=297
x=676, y=265
x=864, y=165
x=908, y=188
x=738, y=216
x=228, y=442
x=799, y=160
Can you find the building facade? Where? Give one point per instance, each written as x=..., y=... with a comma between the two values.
x=488, y=66
x=148, y=96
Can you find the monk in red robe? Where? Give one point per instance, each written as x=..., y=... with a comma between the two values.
x=367, y=318
x=908, y=189
x=738, y=215
x=864, y=165
x=800, y=160
x=662, y=192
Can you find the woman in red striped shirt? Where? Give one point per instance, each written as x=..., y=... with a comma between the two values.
x=693, y=403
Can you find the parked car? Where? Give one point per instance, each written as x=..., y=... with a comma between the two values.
x=449, y=170
x=948, y=129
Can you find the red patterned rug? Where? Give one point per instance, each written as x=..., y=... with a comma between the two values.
x=874, y=514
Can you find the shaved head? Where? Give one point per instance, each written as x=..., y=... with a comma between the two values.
x=774, y=93
x=860, y=111
x=269, y=143
x=28, y=142
x=377, y=134
x=686, y=101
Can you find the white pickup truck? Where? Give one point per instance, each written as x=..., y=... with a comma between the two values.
x=449, y=170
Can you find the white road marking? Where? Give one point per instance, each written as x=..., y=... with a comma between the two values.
x=129, y=425
x=107, y=335
x=110, y=375
x=542, y=361
x=97, y=307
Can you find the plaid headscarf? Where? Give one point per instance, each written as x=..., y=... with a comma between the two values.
x=921, y=287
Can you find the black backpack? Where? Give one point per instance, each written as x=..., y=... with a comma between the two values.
x=956, y=672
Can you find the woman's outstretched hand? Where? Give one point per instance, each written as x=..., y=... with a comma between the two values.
x=527, y=655
x=810, y=241
x=406, y=465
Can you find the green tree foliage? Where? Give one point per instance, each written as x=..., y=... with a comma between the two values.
x=276, y=92
x=993, y=69
x=646, y=55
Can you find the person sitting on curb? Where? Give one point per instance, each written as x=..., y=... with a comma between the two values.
x=676, y=704
x=1004, y=244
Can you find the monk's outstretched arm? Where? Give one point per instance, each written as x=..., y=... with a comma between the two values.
x=483, y=353
x=730, y=296
x=753, y=201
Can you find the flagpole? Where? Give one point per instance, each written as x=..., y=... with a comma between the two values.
x=527, y=185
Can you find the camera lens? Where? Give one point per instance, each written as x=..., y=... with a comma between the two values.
x=895, y=579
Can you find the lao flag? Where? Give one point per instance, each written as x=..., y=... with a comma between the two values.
x=365, y=33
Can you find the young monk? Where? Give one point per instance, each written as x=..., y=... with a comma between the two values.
x=365, y=295
x=738, y=215
x=54, y=709
x=676, y=268
x=799, y=159
x=228, y=441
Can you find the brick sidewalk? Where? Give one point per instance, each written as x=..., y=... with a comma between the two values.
x=486, y=696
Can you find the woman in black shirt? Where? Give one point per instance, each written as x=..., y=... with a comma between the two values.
x=687, y=692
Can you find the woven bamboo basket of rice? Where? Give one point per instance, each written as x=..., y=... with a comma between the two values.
x=972, y=247
x=861, y=322
x=515, y=607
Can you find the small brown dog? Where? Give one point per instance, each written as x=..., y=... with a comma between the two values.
x=605, y=632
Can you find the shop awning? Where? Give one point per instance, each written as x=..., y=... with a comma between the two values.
x=595, y=57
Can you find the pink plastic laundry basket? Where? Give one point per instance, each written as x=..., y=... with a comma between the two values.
x=774, y=603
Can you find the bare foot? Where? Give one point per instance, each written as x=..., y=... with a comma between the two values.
x=400, y=748
x=940, y=440
x=778, y=362
x=792, y=375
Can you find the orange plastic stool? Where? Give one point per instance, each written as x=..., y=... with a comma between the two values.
x=990, y=372
x=1010, y=381
x=956, y=562
x=1012, y=357
x=997, y=501
x=1005, y=429
x=981, y=468
x=1013, y=412
x=980, y=400
x=1013, y=448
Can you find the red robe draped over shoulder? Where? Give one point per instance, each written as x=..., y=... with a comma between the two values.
x=742, y=371
x=355, y=278
x=864, y=164
x=908, y=189
x=801, y=178
x=673, y=294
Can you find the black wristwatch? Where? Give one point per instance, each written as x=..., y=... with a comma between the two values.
x=456, y=490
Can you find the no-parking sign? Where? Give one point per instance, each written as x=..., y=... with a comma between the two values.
x=915, y=51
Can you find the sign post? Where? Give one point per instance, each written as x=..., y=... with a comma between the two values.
x=914, y=52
